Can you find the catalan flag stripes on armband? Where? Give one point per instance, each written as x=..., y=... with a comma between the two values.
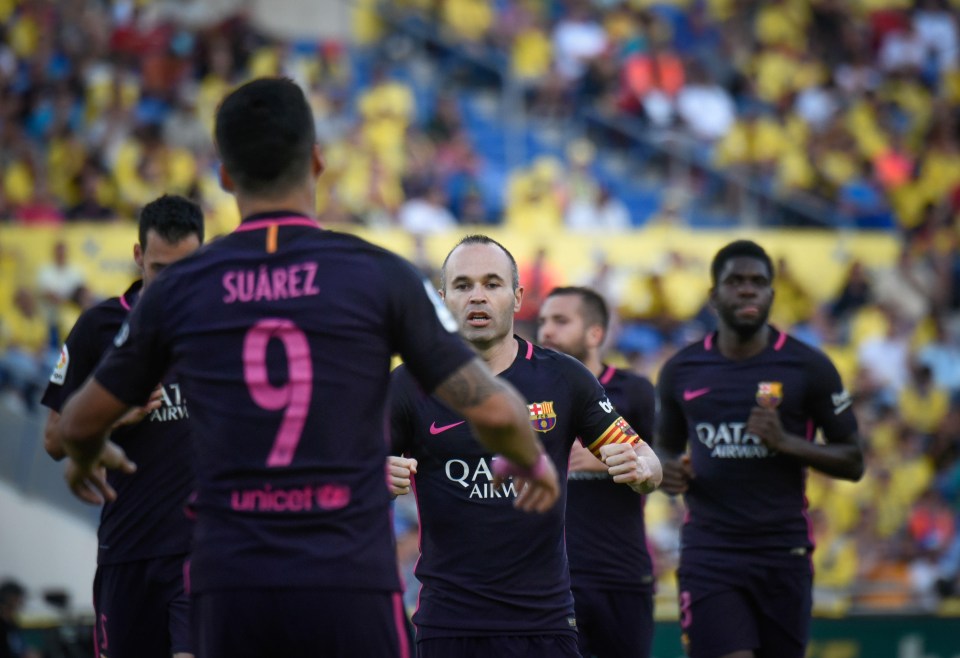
x=618, y=432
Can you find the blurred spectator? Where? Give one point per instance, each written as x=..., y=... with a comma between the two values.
x=88, y=206
x=923, y=405
x=907, y=287
x=863, y=202
x=58, y=280
x=12, y=642
x=41, y=207
x=705, y=107
x=936, y=28
x=854, y=295
x=903, y=51
x=942, y=356
x=538, y=277
x=577, y=39
x=183, y=128
x=603, y=213
x=884, y=360
x=426, y=212
x=24, y=348
x=794, y=304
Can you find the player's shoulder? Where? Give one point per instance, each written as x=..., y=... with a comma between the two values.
x=629, y=379
x=538, y=353
x=107, y=312
x=568, y=366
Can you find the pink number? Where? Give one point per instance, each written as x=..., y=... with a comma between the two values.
x=294, y=396
x=686, y=612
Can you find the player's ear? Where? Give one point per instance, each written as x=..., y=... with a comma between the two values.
x=517, y=299
x=317, y=164
x=225, y=181
x=138, y=255
x=595, y=335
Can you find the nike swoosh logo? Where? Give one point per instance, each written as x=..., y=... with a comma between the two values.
x=437, y=430
x=693, y=395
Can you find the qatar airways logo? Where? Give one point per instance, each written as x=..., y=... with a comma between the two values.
x=298, y=499
x=173, y=405
x=478, y=479
x=731, y=441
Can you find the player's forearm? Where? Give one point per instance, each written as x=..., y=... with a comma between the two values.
x=52, y=441
x=86, y=419
x=839, y=460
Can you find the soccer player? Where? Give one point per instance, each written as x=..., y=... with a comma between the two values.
x=746, y=402
x=282, y=334
x=144, y=535
x=495, y=582
x=610, y=568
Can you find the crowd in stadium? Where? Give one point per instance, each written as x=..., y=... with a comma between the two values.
x=107, y=105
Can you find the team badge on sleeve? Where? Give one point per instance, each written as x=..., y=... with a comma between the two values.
x=769, y=394
x=59, y=374
x=542, y=417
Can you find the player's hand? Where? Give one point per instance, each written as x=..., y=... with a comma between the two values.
x=582, y=460
x=400, y=472
x=765, y=424
x=625, y=466
x=677, y=474
x=137, y=414
x=88, y=482
x=539, y=487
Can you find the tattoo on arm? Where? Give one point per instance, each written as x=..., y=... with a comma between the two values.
x=469, y=386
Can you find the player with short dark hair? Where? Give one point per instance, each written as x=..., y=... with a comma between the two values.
x=746, y=403
x=282, y=334
x=611, y=572
x=495, y=582
x=144, y=536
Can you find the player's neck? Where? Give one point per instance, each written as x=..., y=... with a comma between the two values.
x=594, y=364
x=734, y=346
x=299, y=201
x=500, y=355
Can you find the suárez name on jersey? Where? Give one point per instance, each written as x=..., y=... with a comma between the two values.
x=478, y=479
x=730, y=441
x=173, y=405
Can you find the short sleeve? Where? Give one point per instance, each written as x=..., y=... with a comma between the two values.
x=828, y=402
x=400, y=405
x=424, y=331
x=642, y=410
x=78, y=358
x=140, y=354
x=599, y=423
x=671, y=422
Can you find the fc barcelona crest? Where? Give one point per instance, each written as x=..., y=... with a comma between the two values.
x=769, y=394
x=542, y=418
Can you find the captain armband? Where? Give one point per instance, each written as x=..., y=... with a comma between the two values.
x=618, y=432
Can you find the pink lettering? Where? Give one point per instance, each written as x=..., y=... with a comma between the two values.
x=333, y=496
x=231, y=295
x=309, y=287
x=280, y=283
x=262, y=284
x=293, y=282
x=245, y=293
x=269, y=499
